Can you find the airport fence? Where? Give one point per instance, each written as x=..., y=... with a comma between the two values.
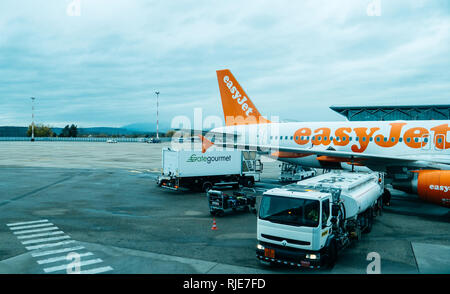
x=87, y=139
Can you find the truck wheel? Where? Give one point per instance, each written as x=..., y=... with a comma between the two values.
x=332, y=255
x=369, y=217
x=220, y=213
x=213, y=212
x=387, y=197
x=207, y=186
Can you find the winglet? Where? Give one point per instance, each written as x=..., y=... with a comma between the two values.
x=205, y=143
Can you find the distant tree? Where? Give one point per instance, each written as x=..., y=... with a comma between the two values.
x=73, y=131
x=40, y=131
x=65, y=132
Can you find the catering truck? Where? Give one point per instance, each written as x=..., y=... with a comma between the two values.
x=201, y=171
x=308, y=223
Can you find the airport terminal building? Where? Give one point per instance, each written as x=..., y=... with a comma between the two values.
x=388, y=113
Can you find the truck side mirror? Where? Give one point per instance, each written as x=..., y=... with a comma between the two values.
x=333, y=220
x=335, y=210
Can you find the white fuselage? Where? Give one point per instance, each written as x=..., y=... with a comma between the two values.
x=424, y=140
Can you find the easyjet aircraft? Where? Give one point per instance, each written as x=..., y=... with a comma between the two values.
x=413, y=154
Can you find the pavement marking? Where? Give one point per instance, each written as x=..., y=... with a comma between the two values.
x=49, y=245
x=35, y=231
x=45, y=240
x=63, y=257
x=96, y=270
x=40, y=235
x=51, y=252
x=32, y=226
x=28, y=223
x=42, y=232
x=75, y=264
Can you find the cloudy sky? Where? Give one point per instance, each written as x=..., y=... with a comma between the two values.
x=293, y=58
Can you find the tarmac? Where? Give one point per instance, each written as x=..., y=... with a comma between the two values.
x=101, y=202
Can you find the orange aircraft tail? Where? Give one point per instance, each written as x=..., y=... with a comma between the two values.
x=238, y=109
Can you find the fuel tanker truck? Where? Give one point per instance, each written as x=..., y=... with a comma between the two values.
x=308, y=223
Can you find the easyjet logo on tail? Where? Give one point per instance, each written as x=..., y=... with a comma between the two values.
x=238, y=109
x=237, y=96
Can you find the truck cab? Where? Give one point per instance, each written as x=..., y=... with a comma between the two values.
x=294, y=225
x=307, y=223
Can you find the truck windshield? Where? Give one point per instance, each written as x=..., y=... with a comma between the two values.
x=290, y=211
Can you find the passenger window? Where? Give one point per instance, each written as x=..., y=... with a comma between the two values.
x=325, y=212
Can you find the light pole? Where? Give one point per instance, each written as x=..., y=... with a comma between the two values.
x=32, y=118
x=157, y=115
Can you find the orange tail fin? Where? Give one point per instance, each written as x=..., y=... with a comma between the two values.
x=237, y=107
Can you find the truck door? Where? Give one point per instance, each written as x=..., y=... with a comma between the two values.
x=325, y=221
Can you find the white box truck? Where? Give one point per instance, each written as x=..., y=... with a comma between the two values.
x=306, y=224
x=201, y=171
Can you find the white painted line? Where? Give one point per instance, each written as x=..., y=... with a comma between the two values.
x=72, y=265
x=49, y=245
x=45, y=240
x=59, y=258
x=96, y=270
x=32, y=226
x=40, y=235
x=28, y=223
x=50, y=252
x=35, y=231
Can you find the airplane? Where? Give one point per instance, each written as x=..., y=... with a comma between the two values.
x=413, y=155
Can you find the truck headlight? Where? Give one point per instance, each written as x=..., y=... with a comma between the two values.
x=312, y=256
x=259, y=247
